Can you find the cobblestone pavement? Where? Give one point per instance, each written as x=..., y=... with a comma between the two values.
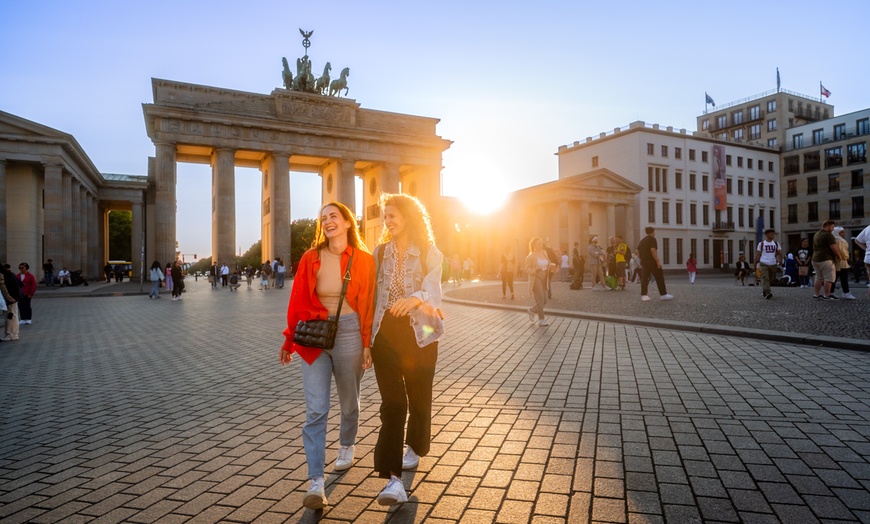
x=125, y=409
x=713, y=299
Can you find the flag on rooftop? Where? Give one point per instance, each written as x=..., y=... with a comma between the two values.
x=825, y=92
x=777, y=79
x=710, y=100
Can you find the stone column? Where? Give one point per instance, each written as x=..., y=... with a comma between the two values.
x=584, y=224
x=564, y=240
x=611, y=225
x=67, y=256
x=97, y=240
x=85, y=237
x=281, y=208
x=53, y=212
x=75, y=240
x=136, y=241
x=630, y=235
x=164, y=202
x=391, y=180
x=3, y=232
x=346, y=184
x=223, y=218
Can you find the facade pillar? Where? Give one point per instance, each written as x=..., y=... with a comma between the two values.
x=53, y=212
x=391, y=180
x=97, y=240
x=346, y=184
x=223, y=218
x=574, y=231
x=611, y=224
x=564, y=237
x=85, y=237
x=584, y=224
x=165, y=204
x=275, y=216
x=3, y=231
x=630, y=235
x=76, y=239
x=136, y=241
x=67, y=256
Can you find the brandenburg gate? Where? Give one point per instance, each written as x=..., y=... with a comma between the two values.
x=287, y=130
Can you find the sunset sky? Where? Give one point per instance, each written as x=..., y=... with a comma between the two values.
x=510, y=81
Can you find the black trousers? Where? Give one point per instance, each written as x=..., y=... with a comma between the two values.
x=405, y=374
x=25, y=312
x=650, y=268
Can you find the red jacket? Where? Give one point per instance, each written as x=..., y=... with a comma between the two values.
x=28, y=283
x=304, y=304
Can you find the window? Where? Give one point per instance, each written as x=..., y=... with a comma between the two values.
x=679, y=251
x=705, y=125
x=769, y=166
x=595, y=161
x=792, y=188
x=705, y=210
x=706, y=250
x=790, y=104
x=812, y=211
x=833, y=157
x=666, y=216
x=792, y=214
x=772, y=217
x=857, y=207
x=771, y=106
x=737, y=117
x=812, y=185
x=729, y=212
x=650, y=149
x=754, y=131
x=678, y=211
x=728, y=185
x=739, y=186
x=833, y=182
x=705, y=183
x=754, y=112
x=666, y=251
x=693, y=211
x=727, y=160
x=771, y=142
x=664, y=151
x=678, y=180
x=651, y=210
x=812, y=161
x=678, y=152
x=740, y=161
x=751, y=216
x=857, y=178
x=791, y=165
x=651, y=177
x=740, y=216
x=721, y=121
x=704, y=156
x=839, y=131
x=771, y=124
x=738, y=134
x=769, y=190
x=749, y=186
x=748, y=163
x=834, y=209
x=857, y=152
x=692, y=154
x=818, y=136
x=760, y=189
x=692, y=177
x=797, y=141
x=862, y=127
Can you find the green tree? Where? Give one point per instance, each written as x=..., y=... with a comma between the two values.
x=301, y=236
x=120, y=235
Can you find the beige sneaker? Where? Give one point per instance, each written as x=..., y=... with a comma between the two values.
x=315, y=498
x=345, y=458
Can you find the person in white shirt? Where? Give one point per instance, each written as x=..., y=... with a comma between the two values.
x=563, y=269
x=768, y=256
x=64, y=276
x=862, y=240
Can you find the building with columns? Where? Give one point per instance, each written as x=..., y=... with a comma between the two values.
x=54, y=203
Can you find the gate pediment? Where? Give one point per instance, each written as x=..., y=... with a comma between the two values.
x=315, y=109
x=603, y=179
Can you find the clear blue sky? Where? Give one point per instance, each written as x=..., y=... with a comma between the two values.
x=511, y=81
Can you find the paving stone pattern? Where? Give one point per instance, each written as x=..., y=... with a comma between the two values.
x=125, y=409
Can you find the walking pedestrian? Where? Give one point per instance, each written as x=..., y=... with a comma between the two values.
x=506, y=271
x=825, y=256
x=692, y=267
x=177, y=280
x=48, y=273
x=596, y=255
x=168, y=279
x=337, y=256
x=768, y=257
x=843, y=264
x=12, y=314
x=537, y=266
x=156, y=276
x=406, y=327
x=652, y=266
x=862, y=241
x=28, y=289
x=804, y=261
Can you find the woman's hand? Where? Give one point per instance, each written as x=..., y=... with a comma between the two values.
x=367, y=358
x=403, y=306
x=285, y=357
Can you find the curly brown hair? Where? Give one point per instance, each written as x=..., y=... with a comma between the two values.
x=419, y=226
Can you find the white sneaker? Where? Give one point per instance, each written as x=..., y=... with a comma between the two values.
x=645, y=298
x=345, y=458
x=543, y=323
x=849, y=296
x=410, y=460
x=394, y=493
x=315, y=498
x=667, y=297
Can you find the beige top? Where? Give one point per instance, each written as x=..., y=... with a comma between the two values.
x=328, y=287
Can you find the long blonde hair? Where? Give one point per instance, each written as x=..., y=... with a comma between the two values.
x=353, y=237
x=418, y=225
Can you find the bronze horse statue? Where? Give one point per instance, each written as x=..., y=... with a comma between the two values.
x=322, y=84
x=288, y=76
x=337, y=85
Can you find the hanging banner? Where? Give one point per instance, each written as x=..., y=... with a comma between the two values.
x=720, y=198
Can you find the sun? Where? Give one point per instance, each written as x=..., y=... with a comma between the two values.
x=477, y=183
x=483, y=198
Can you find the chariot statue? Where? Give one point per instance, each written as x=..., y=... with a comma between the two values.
x=305, y=82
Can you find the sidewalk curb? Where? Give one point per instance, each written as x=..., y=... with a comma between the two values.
x=709, y=329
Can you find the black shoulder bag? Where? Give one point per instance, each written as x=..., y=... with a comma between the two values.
x=317, y=333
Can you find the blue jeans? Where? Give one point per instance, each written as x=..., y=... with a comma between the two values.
x=49, y=279
x=344, y=362
x=280, y=279
x=155, y=289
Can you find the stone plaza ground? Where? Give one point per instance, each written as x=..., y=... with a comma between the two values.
x=125, y=409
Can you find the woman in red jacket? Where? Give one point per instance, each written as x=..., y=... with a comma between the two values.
x=315, y=295
x=28, y=289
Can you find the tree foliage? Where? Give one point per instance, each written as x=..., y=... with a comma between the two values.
x=120, y=235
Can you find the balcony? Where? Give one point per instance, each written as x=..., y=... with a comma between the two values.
x=723, y=227
x=808, y=115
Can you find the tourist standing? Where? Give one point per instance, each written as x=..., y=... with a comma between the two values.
x=107, y=270
x=48, y=273
x=456, y=270
x=692, y=267
x=169, y=284
x=11, y=293
x=249, y=274
x=28, y=289
x=265, y=271
x=537, y=266
x=506, y=271
x=595, y=258
x=406, y=327
x=563, y=268
x=225, y=275
x=862, y=241
x=804, y=260
x=282, y=270
x=825, y=256
x=177, y=280
x=214, y=274
x=579, y=267
x=337, y=252
x=652, y=266
x=621, y=256
x=768, y=257
x=843, y=264
x=156, y=275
